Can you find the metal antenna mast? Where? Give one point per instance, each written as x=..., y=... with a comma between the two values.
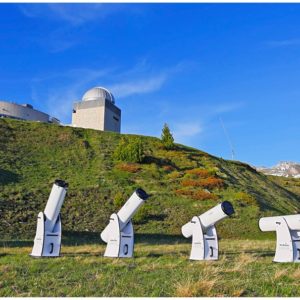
x=228, y=139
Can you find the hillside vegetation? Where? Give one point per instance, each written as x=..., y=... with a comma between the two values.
x=289, y=183
x=182, y=182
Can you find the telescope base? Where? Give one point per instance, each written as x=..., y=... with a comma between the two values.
x=204, y=245
x=46, y=243
x=120, y=242
x=287, y=243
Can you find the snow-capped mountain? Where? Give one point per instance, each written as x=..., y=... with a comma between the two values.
x=284, y=168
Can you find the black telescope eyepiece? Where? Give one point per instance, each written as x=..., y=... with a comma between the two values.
x=142, y=194
x=227, y=208
x=61, y=183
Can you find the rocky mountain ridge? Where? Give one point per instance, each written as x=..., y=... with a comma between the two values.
x=284, y=168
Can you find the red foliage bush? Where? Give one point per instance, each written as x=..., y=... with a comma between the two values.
x=199, y=172
x=190, y=182
x=168, y=168
x=197, y=194
x=210, y=182
x=184, y=192
x=128, y=167
x=203, y=195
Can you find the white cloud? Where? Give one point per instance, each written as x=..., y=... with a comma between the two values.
x=144, y=79
x=187, y=131
x=66, y=19
x=202, y=110
x=59, y=98
x=74, y=14
x=202, y=123
x=78, y=14
x=283, y=43
x=60, y=40
x=226, y=107
x=141, y=86
x=70, y=85
x=60, y=90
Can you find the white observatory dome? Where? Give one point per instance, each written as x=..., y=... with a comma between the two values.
x=98, y=93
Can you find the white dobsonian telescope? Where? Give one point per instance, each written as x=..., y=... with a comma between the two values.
x=287, y=236
x=203, y=231
x=118, y=234
x=47, y=240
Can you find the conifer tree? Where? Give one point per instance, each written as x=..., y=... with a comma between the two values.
x=167, y=137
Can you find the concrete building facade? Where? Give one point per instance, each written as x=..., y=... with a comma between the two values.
x=97, y=110
x=24, y=112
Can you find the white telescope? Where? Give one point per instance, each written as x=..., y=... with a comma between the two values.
x=203, y=231
x=118, y=234
x=47, y=240
x=287, y=236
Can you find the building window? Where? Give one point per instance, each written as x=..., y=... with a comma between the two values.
x=115, y=118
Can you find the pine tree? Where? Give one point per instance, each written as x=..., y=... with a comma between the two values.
x=167, y=137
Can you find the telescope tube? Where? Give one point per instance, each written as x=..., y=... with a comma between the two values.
x=210, y=218
x=269, y=223
x=55, y=202
x=216, y=214
x=128, y=210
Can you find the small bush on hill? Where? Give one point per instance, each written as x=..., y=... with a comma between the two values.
x=199, y=172
x=210, y=182
x=197, y=194
x=245, y=198
x=130, y=150
x=128, y=167
x=190, y=182
x=168, y=168
x=204, y=195
x=184, y=192
x=174, y=175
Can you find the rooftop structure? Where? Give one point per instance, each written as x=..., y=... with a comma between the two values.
x=97, y=110
x=24, y=112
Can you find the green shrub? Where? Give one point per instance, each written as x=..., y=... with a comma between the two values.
x=174, y=175
x=167, y=137
x=130, y=150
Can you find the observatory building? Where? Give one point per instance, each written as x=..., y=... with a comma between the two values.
x=97, y=110
x=24, y=112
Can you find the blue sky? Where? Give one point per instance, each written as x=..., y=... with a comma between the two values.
x=193, y=66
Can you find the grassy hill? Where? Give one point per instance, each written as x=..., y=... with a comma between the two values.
x=183, y=182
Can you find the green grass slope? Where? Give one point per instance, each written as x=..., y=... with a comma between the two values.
x=289, y=183
x=183, y=182
x=245, y=268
